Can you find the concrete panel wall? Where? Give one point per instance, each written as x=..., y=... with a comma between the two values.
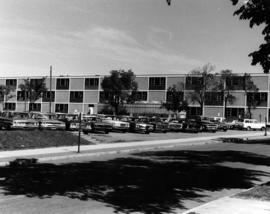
x=76, y=83
x=2, y=82
x=91, y=97
x=239, y=99
x=47, y=81
x=45, y=107
x=175, y=81
x=261, y=82
x=72, y=108
x=62, y=96
x=157, y=96
x=20, y=106
x=142, y=83
x=259, y=114
x=213, y=111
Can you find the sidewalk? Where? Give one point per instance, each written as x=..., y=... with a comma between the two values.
x=231, y=205
x=56, y=153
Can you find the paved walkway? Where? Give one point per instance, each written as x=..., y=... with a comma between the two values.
x=231, y=205
x=55, y=153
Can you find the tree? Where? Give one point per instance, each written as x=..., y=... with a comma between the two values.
x=250, y=90
x=226, y=87
x=205, y=81
x=258, y=13
x=5, y=93
x=119, y=88
x=32, y=89
x=175, y=99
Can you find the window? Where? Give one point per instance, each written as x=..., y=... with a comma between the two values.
x=10, y=106
x=76, y=96
x=104, y=97
x=257, y=99
x=22, y=95
x=62, y=108
x=46, y=96
x=91, y=83
x=11, y=83
x=62, y=84
x=214, y=98
x=170, y=96
x=34, y=107
x=157, y=83
x=193, y=111
x=141, y=96
x=193, y=82
x=235, y=83
x=35, y=82
x=235, y=113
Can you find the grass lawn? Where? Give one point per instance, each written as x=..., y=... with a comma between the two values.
x=29, y=139
x=261, y=192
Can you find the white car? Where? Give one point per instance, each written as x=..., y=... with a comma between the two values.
x=117, y=125
x=250, y=124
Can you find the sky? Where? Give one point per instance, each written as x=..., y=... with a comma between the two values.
x=93, y=37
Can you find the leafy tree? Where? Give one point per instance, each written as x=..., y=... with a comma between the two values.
x=120, y=87
x=226, y=87
x=250, y=90
x=175, y=100
x=206, y=83
x=32, y=89
x=258, y=13
x=5, y=93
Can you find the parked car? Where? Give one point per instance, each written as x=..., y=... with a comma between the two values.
x=21, y=120
x=48, y=121
x=117, y=125
x=175, y=125
x=95, y=124
x=191, y=125
x=158, y=124
x=221, y=125
x=5, y=123
x=252, y=124
x=205, y=124
x=137, y=126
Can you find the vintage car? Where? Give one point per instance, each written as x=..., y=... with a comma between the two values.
x=5, y=123
x=253, y=124
x=221, y=124
x=94, y=124
x=175, y=125
x=191, y=125
x=21, y=120
x=137, y=126
x=158, y=124
x=205, y=124
x=48, y=121
x=117, y=125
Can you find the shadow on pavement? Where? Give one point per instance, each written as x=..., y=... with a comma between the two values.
x=149, y=182
x=245, y=141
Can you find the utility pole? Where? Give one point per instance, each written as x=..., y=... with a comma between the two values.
x=50, y=107
x=79, y=136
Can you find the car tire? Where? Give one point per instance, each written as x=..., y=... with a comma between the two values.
x=248, y=128
x=85, y=132
x=263, y=129
x=106, y=132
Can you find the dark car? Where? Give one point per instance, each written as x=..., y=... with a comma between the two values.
x=175, y=125
x=205, y=124
x=136, y=125
x=5, y=123
x=158, y=124
x=94, y=124
x=191, y=125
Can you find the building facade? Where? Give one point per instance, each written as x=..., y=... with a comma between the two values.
x=71, y=94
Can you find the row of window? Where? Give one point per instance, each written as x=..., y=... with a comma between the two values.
x=37, y=107
x=61, y=83
x=211, y=98
x=155, y=83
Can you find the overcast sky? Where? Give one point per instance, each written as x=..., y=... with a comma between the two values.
x=84, y=37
